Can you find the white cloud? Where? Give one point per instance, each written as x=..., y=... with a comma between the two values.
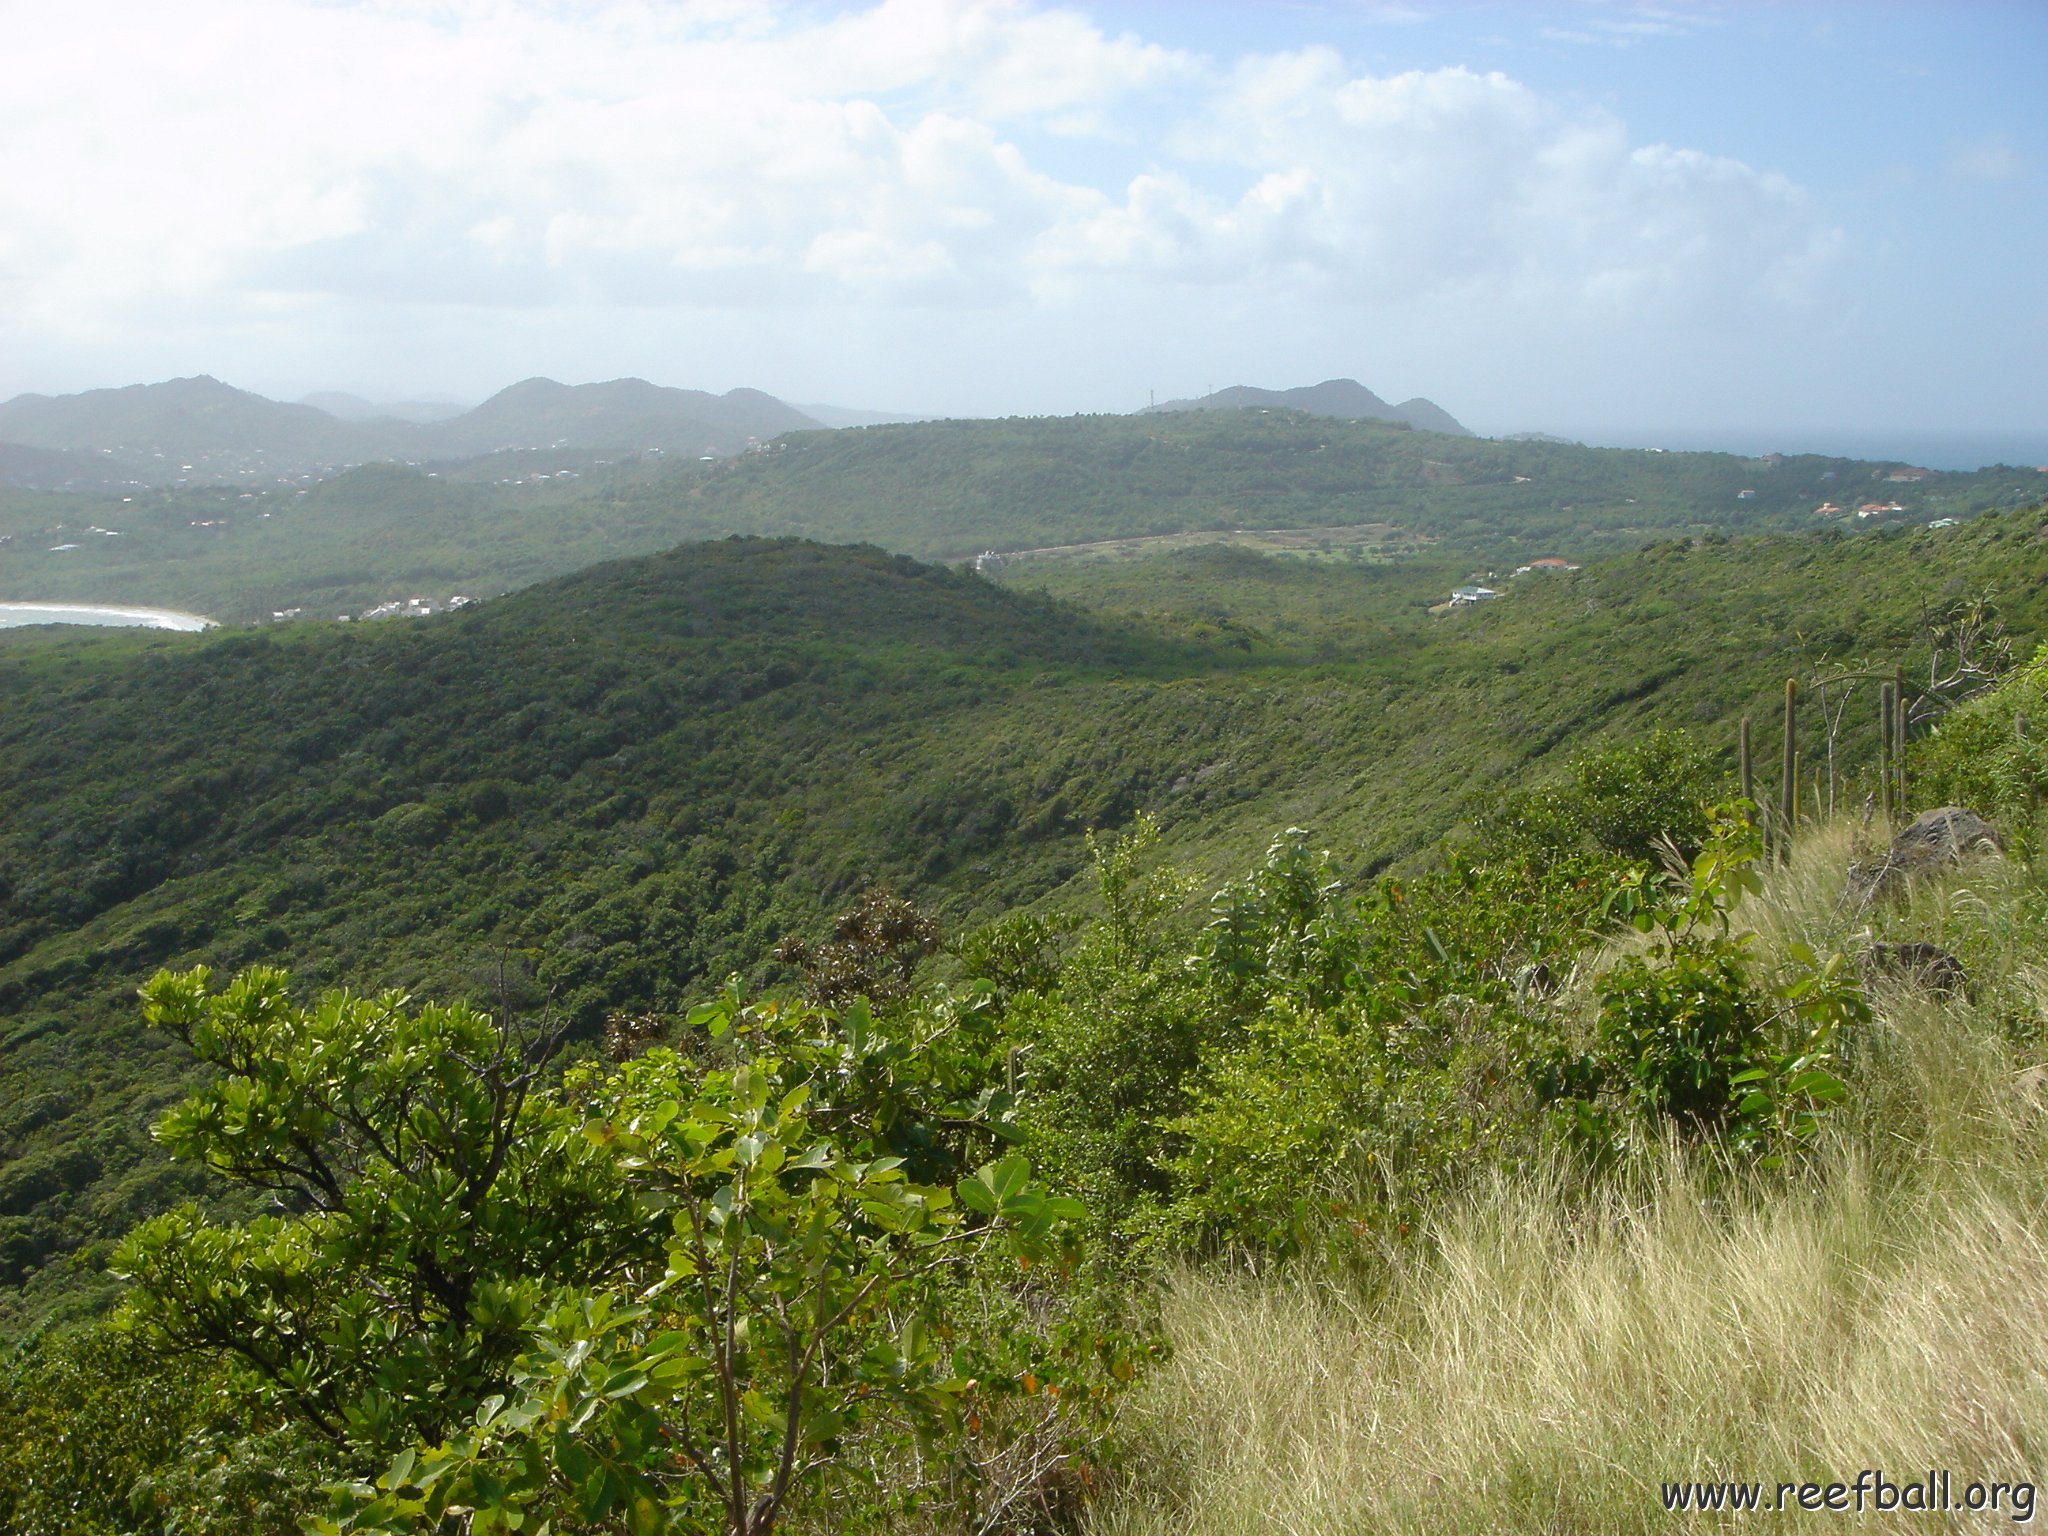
x=1624, y=25
x=1432, y=182
x=255, y=158
x=1991, y=158
x=391, y=148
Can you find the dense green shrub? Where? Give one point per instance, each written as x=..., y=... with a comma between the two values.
x=99, y=1435
x=1107, y=1056
x=1991, y=754
x=685, y=1292
x=1621, y=799
x=1676, y=1032
x=1688, y=1035
x=796, y=1309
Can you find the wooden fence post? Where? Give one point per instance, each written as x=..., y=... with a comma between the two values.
x=1789, y=786
x=1899, y=741
x=1748, y=778
x=1884, y=751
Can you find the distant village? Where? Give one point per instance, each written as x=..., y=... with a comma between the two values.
x=397, y=608
x=1476, y=591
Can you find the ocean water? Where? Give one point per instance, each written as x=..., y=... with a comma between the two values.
x=1929, y=450
x=20, y=615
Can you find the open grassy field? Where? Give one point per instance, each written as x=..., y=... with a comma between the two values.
x=1363, y=541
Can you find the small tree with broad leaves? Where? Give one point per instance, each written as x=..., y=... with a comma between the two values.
x=799, y=1302
x=429, y=1197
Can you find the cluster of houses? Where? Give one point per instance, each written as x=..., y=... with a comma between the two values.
x=1465, y=596
x=1866, y=511
x=406, y=608
x=410, y=608
x=537, y=476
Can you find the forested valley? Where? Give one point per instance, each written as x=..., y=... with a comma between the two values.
x=768, y=1034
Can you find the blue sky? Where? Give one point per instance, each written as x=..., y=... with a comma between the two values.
x=1613, y=220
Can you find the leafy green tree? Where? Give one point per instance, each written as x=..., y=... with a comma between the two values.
x=1106, y=1057
x=798, y=1305
x=430, y=1199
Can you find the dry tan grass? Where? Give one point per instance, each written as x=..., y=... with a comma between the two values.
x=1544, y=1365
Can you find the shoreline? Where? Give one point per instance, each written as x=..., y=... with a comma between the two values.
x=109, y=616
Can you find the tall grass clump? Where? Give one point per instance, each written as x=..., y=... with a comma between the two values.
x=1555, y=1350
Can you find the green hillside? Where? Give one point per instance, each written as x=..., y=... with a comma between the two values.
x=945, y=490
x=591, y=801
x=937, y=490
x=638, y=778
x=341, y=546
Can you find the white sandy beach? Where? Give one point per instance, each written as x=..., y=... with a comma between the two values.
x=19, y=615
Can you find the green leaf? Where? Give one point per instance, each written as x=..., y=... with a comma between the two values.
x=817, y=1156
x=1816, y=1084
x=572, y=1459
x=890, y=1216
x=1008, y=1177
x=714, y=1018
x=597, y=1493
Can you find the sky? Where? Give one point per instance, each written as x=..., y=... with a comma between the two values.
x=1600, y=218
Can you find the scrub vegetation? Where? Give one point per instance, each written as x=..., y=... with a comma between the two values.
x=781, y=1037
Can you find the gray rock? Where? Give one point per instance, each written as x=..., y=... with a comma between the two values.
x=1927, y=966
x=1935, y=840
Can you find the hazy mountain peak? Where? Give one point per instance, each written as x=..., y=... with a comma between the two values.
x=182, y=417
x=201, y=430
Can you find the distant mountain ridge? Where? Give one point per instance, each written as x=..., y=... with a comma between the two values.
x=1342, y=399
x=623, y=413
x=343, y=406
x=202, y=430
x=183, y=416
